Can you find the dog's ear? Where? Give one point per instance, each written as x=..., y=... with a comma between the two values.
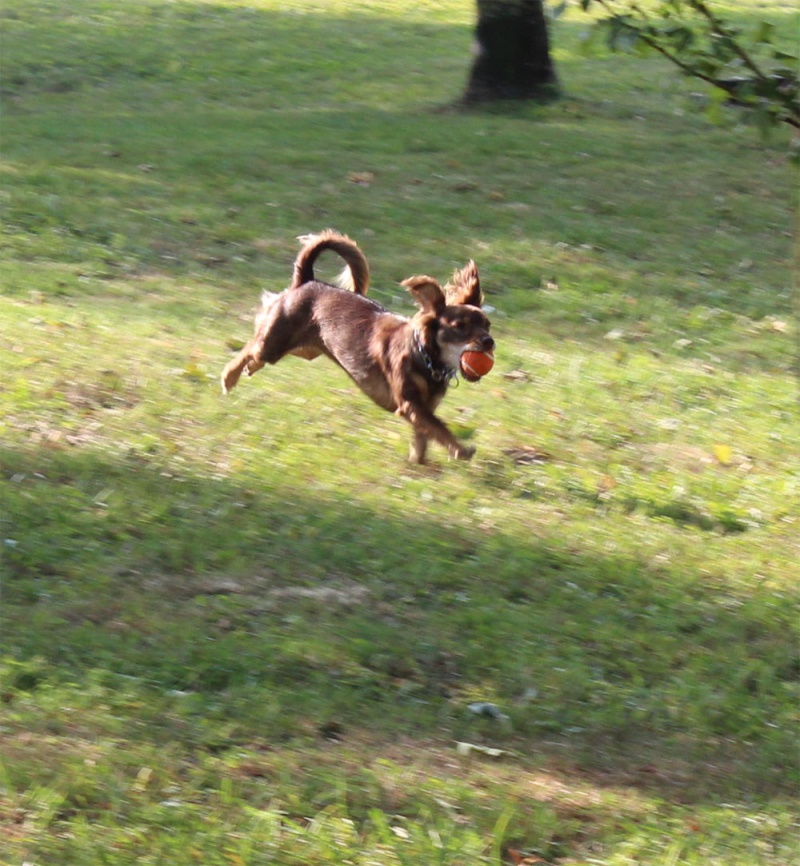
x=465, y=286
x=427, y=293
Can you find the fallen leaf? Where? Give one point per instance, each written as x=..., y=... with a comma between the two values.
x=193, y=372
x=331, y=730
x=222, y=586
x=361, y=178
x=724, y=454
x=606, y=484
x=210, y=261
x=520, y=859
x=527, y=455
x=467, y=748
x=492, y=711
x=142, y=778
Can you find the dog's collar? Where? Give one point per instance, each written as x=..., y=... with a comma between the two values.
x=438, y=372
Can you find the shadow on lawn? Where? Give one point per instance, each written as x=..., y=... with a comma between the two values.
x=266, y=595
x=257, y=593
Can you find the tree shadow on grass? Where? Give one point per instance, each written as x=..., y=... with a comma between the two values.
x=272, y=605
x=278, y=606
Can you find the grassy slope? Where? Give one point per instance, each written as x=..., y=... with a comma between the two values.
x=242, y=631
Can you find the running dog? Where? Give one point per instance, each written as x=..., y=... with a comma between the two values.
x=404, y=364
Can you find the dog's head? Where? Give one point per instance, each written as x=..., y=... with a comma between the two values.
x=450, y=319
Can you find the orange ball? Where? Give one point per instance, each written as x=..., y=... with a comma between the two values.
x=474, y=365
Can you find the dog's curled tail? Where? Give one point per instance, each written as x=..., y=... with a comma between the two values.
x=354, y=277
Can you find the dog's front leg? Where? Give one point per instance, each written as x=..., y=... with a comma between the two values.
x=419, y=447
x=426, y=425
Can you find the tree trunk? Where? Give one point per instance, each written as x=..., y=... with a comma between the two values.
x=513, y=53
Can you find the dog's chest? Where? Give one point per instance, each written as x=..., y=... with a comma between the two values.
x=373, y=383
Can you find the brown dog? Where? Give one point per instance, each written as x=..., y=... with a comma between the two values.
x=404, y=365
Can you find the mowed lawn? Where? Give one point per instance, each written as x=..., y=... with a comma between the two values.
x=243, y=630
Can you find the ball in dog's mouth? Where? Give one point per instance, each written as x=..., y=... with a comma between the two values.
x=474, y=364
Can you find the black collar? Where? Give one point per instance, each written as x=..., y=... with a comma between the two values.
x=438, y=371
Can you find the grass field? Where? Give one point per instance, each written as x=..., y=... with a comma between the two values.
x=241, y=631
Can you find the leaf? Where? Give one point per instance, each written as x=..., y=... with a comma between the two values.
x=142, y=778
x=765, y=32
x=724, y=454
x=520, y=859
x=467, y=748
x=591, y=40
x=606, y=484
x=492, y=711
x=517, y=376
x=527, y=455
x=764, y=120
x=361, y=178
x=621, y=35
x=193, y=372
x=718, y=99
x=680, y=37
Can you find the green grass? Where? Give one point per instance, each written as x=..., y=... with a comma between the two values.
x=244, y=631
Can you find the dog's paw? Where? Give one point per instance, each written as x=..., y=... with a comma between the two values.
x=253, y=366
x=229, y=378
x=463, y=452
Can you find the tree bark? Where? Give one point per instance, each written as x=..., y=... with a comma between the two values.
x=513, y=53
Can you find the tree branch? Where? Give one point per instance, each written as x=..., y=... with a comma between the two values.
x=718, y=27
x=785, y=106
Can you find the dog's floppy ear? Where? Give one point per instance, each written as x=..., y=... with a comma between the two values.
x=465, y=286
x=427, y=293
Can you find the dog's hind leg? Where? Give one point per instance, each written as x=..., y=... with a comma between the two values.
x=251, y=358
x=283, y=327
x=246, y=360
